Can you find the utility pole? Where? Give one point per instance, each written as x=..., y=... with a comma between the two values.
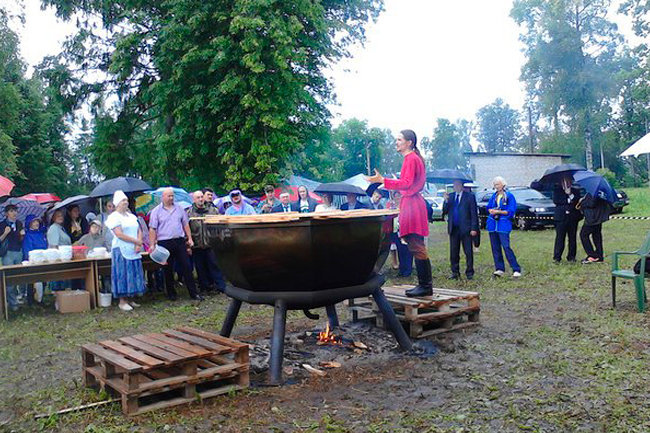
x=647, y=155
x=531, y=136
x=368, y=158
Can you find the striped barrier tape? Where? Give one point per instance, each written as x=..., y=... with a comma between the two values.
x=613, y=217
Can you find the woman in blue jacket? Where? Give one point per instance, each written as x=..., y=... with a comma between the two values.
x=501, y=211
x=35, y=239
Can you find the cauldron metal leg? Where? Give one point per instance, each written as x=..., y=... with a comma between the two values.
x=332, y=316
x=391, y=320
x=231, y=316
x=277, y=342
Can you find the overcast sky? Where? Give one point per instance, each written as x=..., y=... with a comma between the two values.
x=423, y=59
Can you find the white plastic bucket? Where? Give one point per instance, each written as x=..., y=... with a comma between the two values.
x=160, y=255
x=105, y=300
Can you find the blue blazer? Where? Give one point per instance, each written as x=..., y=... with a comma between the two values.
x=467, y=212
x=502, y=223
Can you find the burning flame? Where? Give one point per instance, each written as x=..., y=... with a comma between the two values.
x=328, y=337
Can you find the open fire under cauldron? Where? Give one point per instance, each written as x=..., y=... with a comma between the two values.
x=302, y=261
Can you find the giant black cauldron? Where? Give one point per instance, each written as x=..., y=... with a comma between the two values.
x=298, y=253
x=301, y=261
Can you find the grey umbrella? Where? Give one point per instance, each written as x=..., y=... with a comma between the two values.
x=447, y=175
x=340, y=188
x=25, y=208
x=125, y=184
x=85, y=203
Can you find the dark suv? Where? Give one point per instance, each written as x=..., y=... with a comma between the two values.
x=534, y=209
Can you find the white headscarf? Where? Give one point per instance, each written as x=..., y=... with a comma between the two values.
x=118, y=196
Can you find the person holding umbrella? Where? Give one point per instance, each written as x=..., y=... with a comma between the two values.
x=462, y=227
x=413, y=224
x=596, y=206
x=596, y=211
x=566, y=218
x=12, y=233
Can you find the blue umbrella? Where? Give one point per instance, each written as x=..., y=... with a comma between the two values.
x=595, y=184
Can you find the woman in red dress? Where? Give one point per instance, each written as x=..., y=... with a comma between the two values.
x=413, y=224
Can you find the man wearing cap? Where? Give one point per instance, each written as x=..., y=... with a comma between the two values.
x=169, y=226
x=269, y=202
x=94, y=238
x=12, y=233
x=285, y=204
x=239, y=206
x=205, y=262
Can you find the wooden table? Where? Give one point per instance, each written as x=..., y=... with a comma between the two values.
x=90, y=270
x=14, y=275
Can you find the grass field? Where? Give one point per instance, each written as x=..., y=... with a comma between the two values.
x=551, y=355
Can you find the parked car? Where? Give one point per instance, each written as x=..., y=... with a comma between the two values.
x=436, y=205
x=622, y=201
x=534, y=209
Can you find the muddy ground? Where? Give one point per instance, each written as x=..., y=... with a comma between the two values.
x=550, y=355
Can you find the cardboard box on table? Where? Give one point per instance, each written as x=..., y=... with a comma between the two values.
x=72, y=301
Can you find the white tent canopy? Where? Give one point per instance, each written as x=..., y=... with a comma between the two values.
x=358, y=180
x=640, y=147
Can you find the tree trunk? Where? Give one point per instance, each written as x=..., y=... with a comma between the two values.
x=589, y=152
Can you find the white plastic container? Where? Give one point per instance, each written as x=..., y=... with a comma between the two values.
x=159, y=255
x=37, y=256
x=105, y=300
x=52, y=255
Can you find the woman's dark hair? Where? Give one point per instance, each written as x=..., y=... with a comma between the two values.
x=56, y=213
x=298, y=191
x=409, y=135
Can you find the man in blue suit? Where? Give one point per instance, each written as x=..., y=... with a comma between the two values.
x=462, y=225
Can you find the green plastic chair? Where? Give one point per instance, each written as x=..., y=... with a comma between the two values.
x=628, y=274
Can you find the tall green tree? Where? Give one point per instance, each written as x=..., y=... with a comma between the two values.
x=221, y=92
x=360, y=146
x=448, y=144
x=32, y=126
x=572, y=63
x=498, y=127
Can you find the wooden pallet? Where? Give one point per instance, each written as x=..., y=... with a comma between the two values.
x=446, y=310
x=176, y=366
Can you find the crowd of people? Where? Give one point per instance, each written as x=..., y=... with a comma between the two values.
x=168, y=225
x=126, y=235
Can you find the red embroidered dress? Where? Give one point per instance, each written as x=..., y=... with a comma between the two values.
x=413, y=210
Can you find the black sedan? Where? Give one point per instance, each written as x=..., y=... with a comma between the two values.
x=622, y=200
x=534, y=209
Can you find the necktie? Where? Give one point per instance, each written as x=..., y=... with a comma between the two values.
x=286, y=209
x=457, y=199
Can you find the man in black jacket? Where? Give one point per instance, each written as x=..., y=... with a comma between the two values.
x=462, y=225
x=566, y=217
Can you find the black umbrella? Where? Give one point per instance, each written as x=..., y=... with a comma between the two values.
x=555, y=174
x=125, y=184
x=447, y=175
x=376, y=187
x=339, y=188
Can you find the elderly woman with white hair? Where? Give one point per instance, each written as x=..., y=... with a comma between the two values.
x=501, y=211
x=127, y=276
